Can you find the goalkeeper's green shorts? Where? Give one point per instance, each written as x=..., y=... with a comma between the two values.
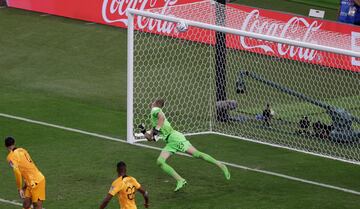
x=176, y=142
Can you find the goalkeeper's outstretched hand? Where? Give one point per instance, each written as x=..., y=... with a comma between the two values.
x=148, y=136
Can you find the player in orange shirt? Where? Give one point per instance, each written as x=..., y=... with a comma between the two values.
x=33, y=190
x=125, y=187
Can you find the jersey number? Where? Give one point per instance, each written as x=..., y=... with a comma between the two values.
x=180, y=146
x=131, y=192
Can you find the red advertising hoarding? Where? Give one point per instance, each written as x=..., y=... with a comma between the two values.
x=113, y=12
x=305, y=29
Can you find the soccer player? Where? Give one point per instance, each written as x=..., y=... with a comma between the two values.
x=125, y=187
x=33, y=190
x=175, y=142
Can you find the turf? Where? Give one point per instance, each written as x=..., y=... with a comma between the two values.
x=332, y=4
x=67, y=73
x=2, y=205
x=79, y=170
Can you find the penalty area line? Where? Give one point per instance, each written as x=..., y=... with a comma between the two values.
x=328, y=186
x=10, y=202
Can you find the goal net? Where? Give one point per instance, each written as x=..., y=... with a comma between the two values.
x=227, y=72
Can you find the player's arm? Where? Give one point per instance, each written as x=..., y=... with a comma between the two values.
x=19, y=182
x=17, y=172
x=18, y=178
x=106, y=201
x=152, y=134
x=148, y=134
x=22, y=191
x=161, y=119
x=114, y=189
x=145, y=194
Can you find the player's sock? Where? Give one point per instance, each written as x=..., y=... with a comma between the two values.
x=210, y=159
x=205, y=157
x=168, y=169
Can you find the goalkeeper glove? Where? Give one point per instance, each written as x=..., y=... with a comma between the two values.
x=156, y=131
x=142, y=128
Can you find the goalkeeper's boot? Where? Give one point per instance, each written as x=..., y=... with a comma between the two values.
x=180, y=184
x=226, y=172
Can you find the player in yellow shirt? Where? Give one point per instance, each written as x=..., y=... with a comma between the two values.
x=33, y=190
x=125, y=188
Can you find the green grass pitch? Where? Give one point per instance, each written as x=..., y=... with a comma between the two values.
x=65, y=72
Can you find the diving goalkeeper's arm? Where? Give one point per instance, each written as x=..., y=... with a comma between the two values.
x=153, y=134
x=149, y=135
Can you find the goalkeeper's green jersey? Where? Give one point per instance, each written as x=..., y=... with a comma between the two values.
x=166, y=128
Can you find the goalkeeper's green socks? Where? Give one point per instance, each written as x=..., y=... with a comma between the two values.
x=168, y=169
x=211, y=160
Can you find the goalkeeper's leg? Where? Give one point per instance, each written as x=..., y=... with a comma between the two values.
x=161, y=161
x=197, y=154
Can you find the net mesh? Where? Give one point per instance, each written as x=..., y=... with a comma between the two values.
x=301, y=100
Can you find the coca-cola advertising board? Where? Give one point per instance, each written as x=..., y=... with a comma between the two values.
x=110, y=12
x=301, y=28
x=113, y=12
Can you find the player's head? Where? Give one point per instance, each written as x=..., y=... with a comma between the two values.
x=9, y=142
x=158, y=103
x=121, y=167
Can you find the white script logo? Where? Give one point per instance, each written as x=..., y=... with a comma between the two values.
x=115, y=11
x=296, y=28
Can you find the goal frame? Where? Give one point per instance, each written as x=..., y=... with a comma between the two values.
x=130, y=68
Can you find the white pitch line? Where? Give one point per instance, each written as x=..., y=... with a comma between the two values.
x=90, y=23
x=44, y=15
x=157, y=148
x=10, y=202
x=13, y=202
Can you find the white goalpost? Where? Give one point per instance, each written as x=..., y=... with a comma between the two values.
x=227, y=72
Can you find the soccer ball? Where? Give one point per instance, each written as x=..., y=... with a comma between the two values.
x=181, y=27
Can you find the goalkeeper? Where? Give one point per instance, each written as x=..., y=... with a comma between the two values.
x=175, y=142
